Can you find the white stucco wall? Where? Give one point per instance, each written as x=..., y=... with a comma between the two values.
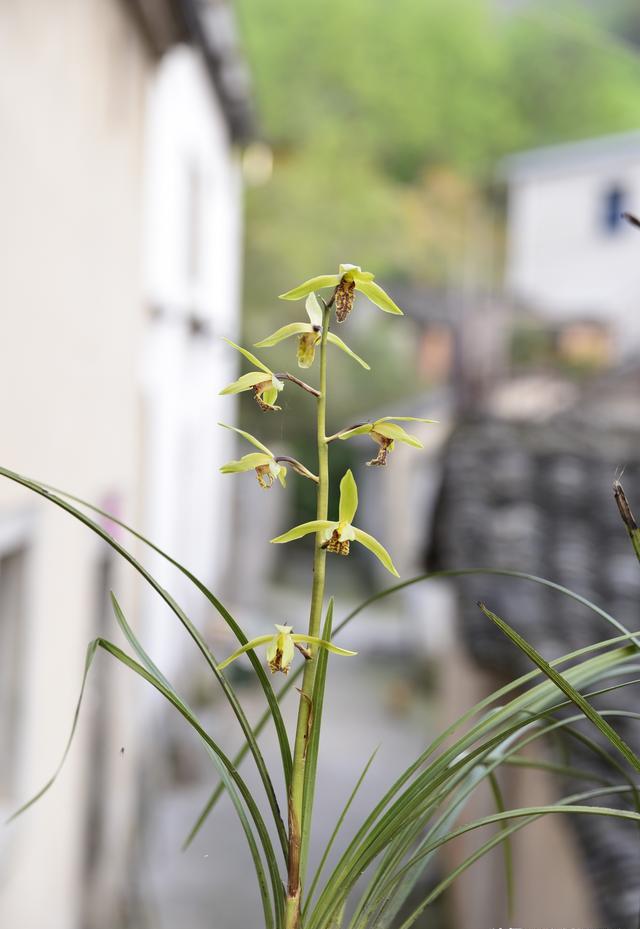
x=188, y=503
x=73, y=84
x=561, y=259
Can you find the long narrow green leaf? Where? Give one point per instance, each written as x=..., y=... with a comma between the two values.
x=158, y=684
x=210, y=804
x=378, y=908
x=188, y=625
x=376, y=896
x=135, y=643
x=486, y=768
x=496, y=840
x=551, y=767
x=565, y=726
x=91, y=650
x=563, y=684
x=245, y=792
x=478, y=772
x=273, y=701
x=222, y=771
x=371, y=838
x=498, y=797
x=489, y=572
x=313, y=742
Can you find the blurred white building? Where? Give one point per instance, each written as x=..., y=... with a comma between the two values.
x=570, y=256
x=119, y=261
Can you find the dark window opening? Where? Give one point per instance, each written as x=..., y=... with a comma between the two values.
x=615, y=204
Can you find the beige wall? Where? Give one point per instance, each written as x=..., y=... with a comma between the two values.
x=73, y=84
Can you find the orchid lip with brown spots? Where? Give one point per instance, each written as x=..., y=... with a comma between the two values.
x=386, y=446
x=260, y=391
x=345, y=295
x=336, y=544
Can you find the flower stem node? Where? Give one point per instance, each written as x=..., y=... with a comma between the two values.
x=350, y=278
x=336, y=536
x=309, y=336
x=281, y=648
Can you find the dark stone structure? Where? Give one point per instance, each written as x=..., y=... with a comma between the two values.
x=538, y=498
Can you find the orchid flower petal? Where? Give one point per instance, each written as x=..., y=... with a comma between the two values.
x=405, y=419
x=246, y=463
x=348, y=498
x=321, y=643
x=314, y=310
x=284, y=332
x=363, y=429
x=359, y=276
x=378, y=550
x=245, y=382
x=316, y=525
x=355, y=273
x=252, y=358
x=345, y=348
x=249, y=438
x=270, y=396
x=393, y=431
x=377, y=295
x=254, y=643
x=314, y=283
x=346, y=532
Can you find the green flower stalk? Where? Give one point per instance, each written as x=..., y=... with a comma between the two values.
x=309, y=336
x=385, y=432
x=330, y=536
x=348, y=280
x=416, y=816
x=281, y=648
x=337, y=536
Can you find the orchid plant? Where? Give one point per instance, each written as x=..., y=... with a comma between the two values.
x=425, y=807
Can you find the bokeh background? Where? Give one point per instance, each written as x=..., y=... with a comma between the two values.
x=167, y=168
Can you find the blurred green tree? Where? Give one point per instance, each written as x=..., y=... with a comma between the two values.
x=387, y=121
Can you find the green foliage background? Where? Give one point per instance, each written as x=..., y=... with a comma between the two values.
x=387, y=121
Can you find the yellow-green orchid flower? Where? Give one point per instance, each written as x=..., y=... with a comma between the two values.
x=348, y=279
x=309, y=335
x=337, y=536
x=264, y=384
x=281, y=648
x=386, y=433
x=263, y=462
